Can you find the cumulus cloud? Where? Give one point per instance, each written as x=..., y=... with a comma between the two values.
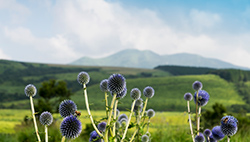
x=3, y=55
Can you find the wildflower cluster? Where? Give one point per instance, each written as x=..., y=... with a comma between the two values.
x=228, y=125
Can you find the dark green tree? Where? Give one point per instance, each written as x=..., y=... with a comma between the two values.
x=51, y=94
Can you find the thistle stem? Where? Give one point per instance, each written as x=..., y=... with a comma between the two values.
x=63, y=139
x=46, y=133
x=130, y=115
x=34, y=118
x=148, y=124
x=109, y=118
x=87, y=107
x=144, y=108
x=115, y=108
x=198, y=121
x=133, y=136
x=228, y=139
x=106, y=101
x=196, y=108
x=190, y=121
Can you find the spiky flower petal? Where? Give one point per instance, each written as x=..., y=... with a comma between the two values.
x=71, y=127
x=46, y=118
x=207, y=133
x=203, y=98
x=116, y=83
x=135, y=93
x=83, y=78
x=148, y=92
x=197, y=85
x=121, y=94
x=94, y=137
x=188, y=96
x=199, y=138
x=102, y=126
x=150, y=113
x=145, y=138
x=30, y=90
x=229, y=125
x=104, y=85
x=67, y=108
x=217, y=133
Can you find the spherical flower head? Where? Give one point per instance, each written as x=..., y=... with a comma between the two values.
x=104, y=85
x=123, y=122
x=148, y=92
x=207, y=132
x=71, y=127
x=117, y=124
x=116, y=83
x=217, y=133
x=94, y=137
x=46, y=118
x=150, y=113
x=67, y=108
x=197, y=85
x=229, y=125
x=30, y=90
x=101, y=126
x=145, y=138
x=139, y=102
x=122, y=116
x=199, y=138
x=135, y=93
x=212, y=139
x=121, y=94
x=188, y=97
x=203, y=97
x=83, y=78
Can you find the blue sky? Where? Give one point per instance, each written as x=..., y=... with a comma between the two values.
x=61, y=31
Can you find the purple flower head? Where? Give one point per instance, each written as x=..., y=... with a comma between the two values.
x=148, y=92
x=229, y=125
x=71, y=127
x=135, y=93
x=188, y=96
x=121, y=94
x=150, y=113
x=122, y=116
x=67, y=108
x=116, y=83
x=83, y=78
x=217, y=133
x=46, y=118
x=102, y=126
x=145, y=138
x=212, y=139
x=94, y=137
x=199, y=138
x=207, y=133
x=203, y=98
x=104, y=85
x=30, y=90
x=197, y=85
x=139, y=102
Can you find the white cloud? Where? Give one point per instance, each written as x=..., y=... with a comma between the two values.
x=3, y=55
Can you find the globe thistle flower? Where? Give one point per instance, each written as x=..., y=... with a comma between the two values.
x=145, y=138
x=139, y=102
x=116, y=83
x=203, y=98
x=217, y=133
x=150, y=113
x=71, y=127
x=199, y=138
x=67, y=108
x=46, y=118
x=30, y=90
x=104, y=85
x=94, y=137
x=212, y=139
x=229, y=125
x=117, y=124
x=123, y=122
x=102, y=126
x=207, y=133
x=135, y=93
x=83, y=78
x=197, y=85
x=121, y=94
x=122, y=116
x=148, y=92
x=188, y=97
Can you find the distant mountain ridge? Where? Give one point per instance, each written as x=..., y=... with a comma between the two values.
x=148, y=59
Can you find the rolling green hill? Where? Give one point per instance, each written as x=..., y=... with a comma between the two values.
x=169, y=90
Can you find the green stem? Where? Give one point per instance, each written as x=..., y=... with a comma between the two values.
x=133, y=136
x=228, y=139
x=106, y=100
x=63, y=139
x=144, y=108
x=199, y=117
x=138, y=124
x=196, y=108
x=46, y=133
x=88, y=110
x=130, y=115
x=115, y=108
x=190, y=121
x=109, y=118
x=34, y=118
x=148, y=124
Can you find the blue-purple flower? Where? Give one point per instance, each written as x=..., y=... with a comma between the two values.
x=229, y=125
x=148, y=92
x=30, y=90
x=46, y=118
x=188, y=96
x=203, y=97
x=94, y=137
x=71, y=127
x=83, y=78
x=67, y=108
x=101, y=126
x=199, y=138
x=197, y=85
x=135, y=93
x=217, y=133
x=104, y=85
x=116, y=83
